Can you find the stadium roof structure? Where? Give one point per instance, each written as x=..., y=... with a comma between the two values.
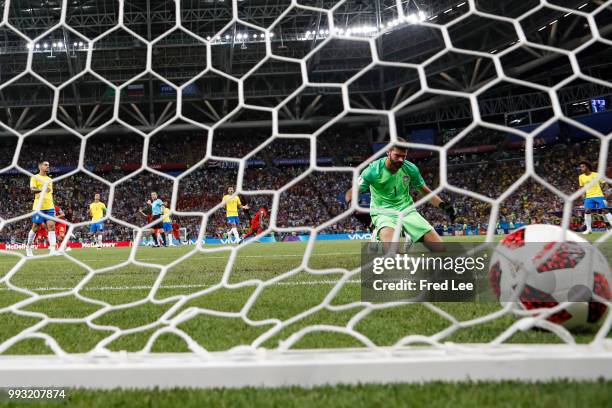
x=179, y=58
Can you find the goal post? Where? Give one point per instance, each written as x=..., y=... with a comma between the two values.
x=316, y=97
x=309, y=368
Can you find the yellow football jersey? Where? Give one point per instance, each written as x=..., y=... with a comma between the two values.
x=595, y=190
x=231, y=205
x=97, y=210
x=166, y=215
x=38, y=182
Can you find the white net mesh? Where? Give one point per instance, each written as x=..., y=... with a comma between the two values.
x=310, y=292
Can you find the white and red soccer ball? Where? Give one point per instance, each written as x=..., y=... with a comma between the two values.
x=541, y=266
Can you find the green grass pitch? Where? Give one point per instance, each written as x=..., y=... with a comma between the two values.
x=561, y=394
x=196, y=276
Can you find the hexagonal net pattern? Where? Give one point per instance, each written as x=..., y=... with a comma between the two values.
x=174, y=313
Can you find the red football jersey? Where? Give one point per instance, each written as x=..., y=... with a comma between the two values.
x=262, y=212
x=58, y=211
x=42, y=232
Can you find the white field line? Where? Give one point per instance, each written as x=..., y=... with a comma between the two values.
x=144, y=287
x=107, y=259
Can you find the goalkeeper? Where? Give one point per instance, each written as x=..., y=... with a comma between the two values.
x=389, y=180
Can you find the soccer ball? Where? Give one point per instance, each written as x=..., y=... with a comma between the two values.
x=539, y=267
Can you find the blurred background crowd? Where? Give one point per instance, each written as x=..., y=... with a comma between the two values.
x=306, y=198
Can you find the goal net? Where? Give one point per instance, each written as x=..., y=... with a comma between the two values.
x=286, y=102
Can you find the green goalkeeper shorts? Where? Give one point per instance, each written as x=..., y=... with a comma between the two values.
x=413, y=224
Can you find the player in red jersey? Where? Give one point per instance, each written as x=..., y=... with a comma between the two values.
x=176, y=231
x=257, y=222
x=60, y=227
x=41, y=235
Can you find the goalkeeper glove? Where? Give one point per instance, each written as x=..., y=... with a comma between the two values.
x=448, y=209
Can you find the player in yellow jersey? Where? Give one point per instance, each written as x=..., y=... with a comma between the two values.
x=167, y=223
x=97, y=211
x=594, y=199
x=231, y=211
x=44, y=207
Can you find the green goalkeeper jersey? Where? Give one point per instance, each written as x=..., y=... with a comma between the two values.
x=390, y=190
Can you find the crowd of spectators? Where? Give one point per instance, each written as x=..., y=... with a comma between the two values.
x=313, y=200
x=492, y=175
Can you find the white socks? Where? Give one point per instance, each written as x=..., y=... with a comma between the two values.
x=100, y=239
x=234, y=232
x=588, y=218
x=31, y=236
x=52, y=241
x=169, y=239
x=50, y=234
